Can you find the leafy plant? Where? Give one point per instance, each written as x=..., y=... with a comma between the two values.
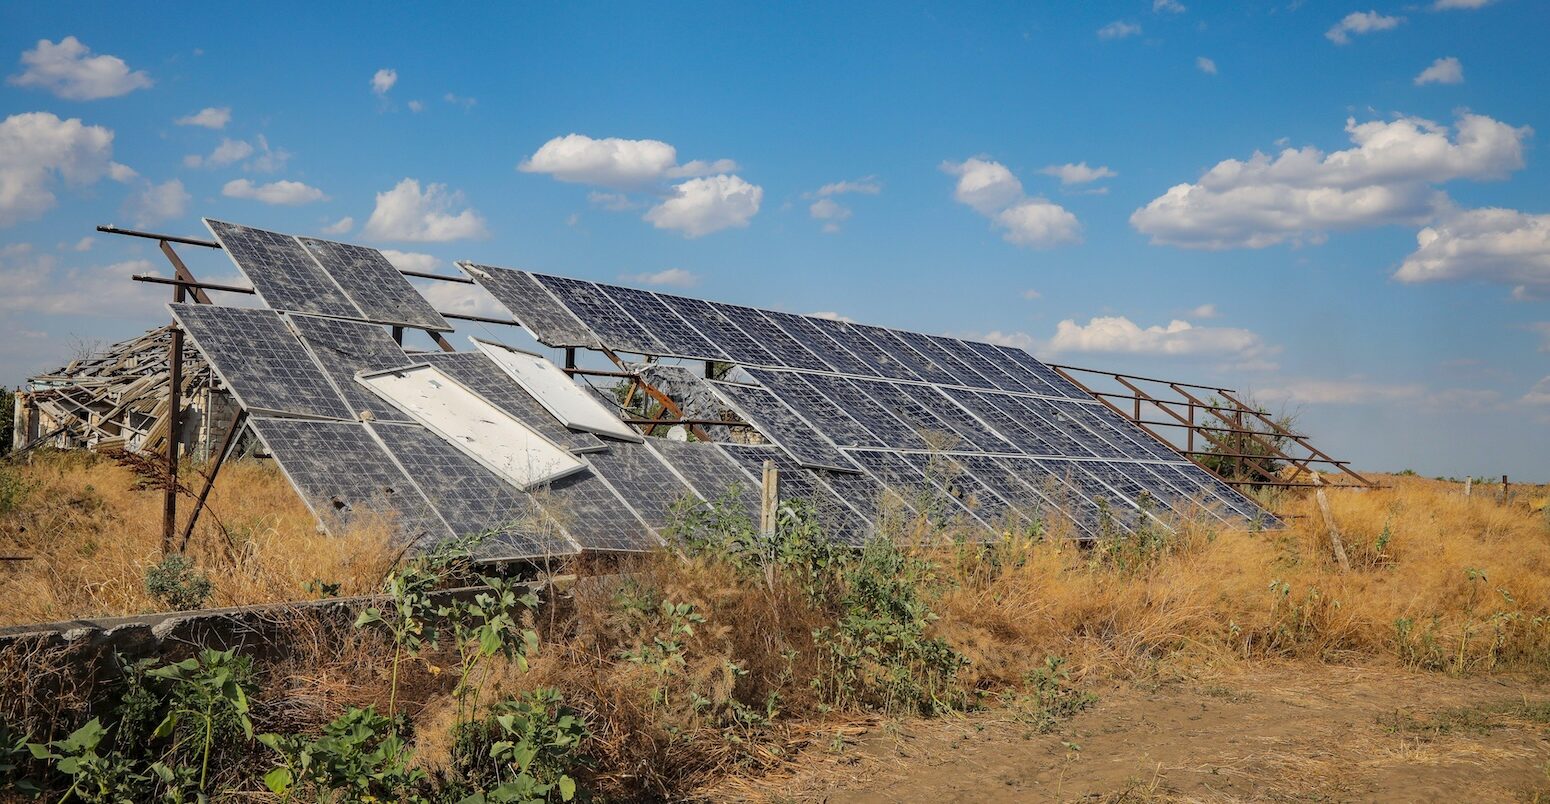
x=359, y=757
x=177, y=583
x=524, y=751
x=208, y=700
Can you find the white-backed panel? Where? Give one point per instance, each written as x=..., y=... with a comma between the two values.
x=557, y=392
x=487, y=434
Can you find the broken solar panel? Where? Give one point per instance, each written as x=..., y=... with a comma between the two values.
x=642, y=478
x=479, y=374
x=374, y=285
x=470, y=498
x=346, y=478
x=807, y=401
x=532, y=306
x=595, y=515
x=344, y=348
x=284, y=274
x=678, y=337
x=711, y=473
x=783, y=426
x=257, y=357
x=615, y=328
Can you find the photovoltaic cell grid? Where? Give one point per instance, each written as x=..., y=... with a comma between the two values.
x=257, y=357
x=284, y=274
x=343, y=474
x=376, y=287
x=533, y=306
x=796, y=483
x=643, y=479
x=343, y=348
x=595, y=515
x=710, y=472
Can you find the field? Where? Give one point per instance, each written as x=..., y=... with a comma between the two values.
x=1192, y=664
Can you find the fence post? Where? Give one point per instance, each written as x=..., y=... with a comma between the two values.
x=1329, y=523
x=1469, y=483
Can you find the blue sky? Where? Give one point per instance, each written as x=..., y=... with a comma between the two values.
x=1080, y=181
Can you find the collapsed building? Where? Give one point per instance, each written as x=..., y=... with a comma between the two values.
x=645, y=400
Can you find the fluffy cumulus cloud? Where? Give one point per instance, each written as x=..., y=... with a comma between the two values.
x=1539, y=394
x=383, y=80
x=1354, y=391
x=831, y=212
x=1442, y=71
x=284, y=193
x=1504, y=246
x=209, y=117
x=667, y=278
x=1119, y=29
x=155, y=203
x=68, y=69
x=411, y=214
x=1120, y=335
x=1078, y=173
x=1205, y=65
x=1470, y=5
x=1304, y=193
x=412, y=260
x=263, y=158
x=990, y=189
x=706, y=199
x=1170, y=6
x=37, y=149
x=340, y=226
x=36, y=282
x=699, y=207
x=1360, y=23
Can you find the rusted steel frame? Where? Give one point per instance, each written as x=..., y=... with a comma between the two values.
x=181, y=272
x=1116, y=375
x=1111, y=406
x=187, y=241
x=652, y=391
x=1265, y=442
x=483, y=319
x=199, y=288
x=1301, y=440
x=169, y=513
x=237, y=423
x=1217, y=442
x=706, y=422
x=1154, y=400
x=1211, y=427
x=1252, y=455
x=599, y=372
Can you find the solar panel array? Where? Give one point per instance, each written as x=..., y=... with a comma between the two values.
x=865, y=423
x=976, y=432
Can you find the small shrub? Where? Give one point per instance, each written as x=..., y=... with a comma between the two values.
x=177, y=583
x=358, y=757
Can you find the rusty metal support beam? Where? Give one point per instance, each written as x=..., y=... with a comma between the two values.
x=483, y=319
x=461, y=280
x=185, y=241
x=237, y=423
x=169, y=512
x=198, y=287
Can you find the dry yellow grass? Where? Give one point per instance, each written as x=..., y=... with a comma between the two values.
x=91, y=535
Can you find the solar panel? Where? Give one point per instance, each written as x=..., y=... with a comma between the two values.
x=1079, y=475
x=1059, y=427
x=783, y=426
x=806, y=332
x=881, y=363
x=839, y=519
x=951, y=430
x=1058, y=385
x=954, y=480
x=643, y=479
x=284, y=274
x=343, y=348
x=1021, y=437
x=871, y=498
x=973, y=356
x=733, y=341
x=786, y=349
x=1026, y=497
x=532, y=306
x=1071, y=501
x=889, y=342
x=374, y=285
x=904, y=478
x=828, y=417
x=480, y=375
x=345, y=477
x=678, y=337
x=613, y=325
x=885, y=427
x=263, y=364
x=471, y=498
x=961, y=373
x=710, y=472
x=595, y=515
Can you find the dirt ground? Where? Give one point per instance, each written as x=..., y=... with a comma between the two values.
x=1282, y=734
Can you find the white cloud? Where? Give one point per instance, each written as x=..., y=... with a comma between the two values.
x=1038, y=223
x=1170, y=6
x=991, y=190
x=616, y=162
x=416, y=106
x=458, y=100
x=1443, y=71
x=671, y=278
x=158, y=202
x=383, y=80
x=37, y=283
x=411, y=260
x=84, y=244
x=1360, y=22
x=286, y=193
x=831, y=212
x=226, y=153
x=1016, y=340
x=613, y=202
x=1354, y=391
x=121, y=173
x=1120, y=335
x=1445, y=5
x=1303, y=194
x=208, y=117
x=1031, y=295
x=865, y=186
x=1078, y=173
x=1539, y=394
x=832, y=316
x=1205, y=65
x=701, y=206
x=38, y=147
x=1118, y=29
x=70, y=71
x=1488, y=245
x=406, y=213
x=340, y=226
x=1205, y=311
x=1543, y=328
x=268, y=160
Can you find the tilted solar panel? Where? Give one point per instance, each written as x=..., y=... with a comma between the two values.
x=264, y=365
x=344, y=348
x=282, y=271
x=374, y=285
x=533, y=306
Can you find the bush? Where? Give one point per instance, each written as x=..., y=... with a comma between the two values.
x=177, y=584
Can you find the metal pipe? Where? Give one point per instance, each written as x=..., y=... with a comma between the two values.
x=188, y=283
x=510, y=322
x=462, y=280
x=1117, y=375
x=187, y=241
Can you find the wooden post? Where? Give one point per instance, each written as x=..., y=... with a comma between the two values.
x=1329, y=522
x=769, y=500
x=1469, y=483
x=1504, y=488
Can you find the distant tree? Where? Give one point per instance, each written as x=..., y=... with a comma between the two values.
x=1258, y=442
x=7, y=418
